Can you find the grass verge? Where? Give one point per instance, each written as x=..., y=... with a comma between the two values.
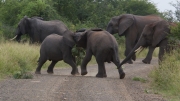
x=166, y=77
x=16, y=58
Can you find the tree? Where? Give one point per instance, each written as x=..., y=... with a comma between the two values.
x=139, y=7
x=169, y=15
x=177, y=11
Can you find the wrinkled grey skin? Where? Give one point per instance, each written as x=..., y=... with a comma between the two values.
x=56, y=48
x=103, y=46
x=155, y=35
x=37, y=29
x=131, y=26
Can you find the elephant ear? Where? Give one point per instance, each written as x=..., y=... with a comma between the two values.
x=124, y=23
x=24, y=23
x=68, y=38
x=81, y=38
x=160, y=33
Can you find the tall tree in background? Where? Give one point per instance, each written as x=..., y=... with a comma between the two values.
x=139, y=7
x=177, y=11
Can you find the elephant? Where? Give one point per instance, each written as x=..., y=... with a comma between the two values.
x=56, y=48
x=155, y=35
x=102, y=45
x=38, y=29
x=131, y=26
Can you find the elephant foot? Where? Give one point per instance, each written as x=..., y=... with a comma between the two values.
x=129, y=62
x=134, y=58
x=37, y=72
x=101, y=75
x=50, y=72
x=122, y=75
x=84, y=72
x=146, y=61
x=75, y=72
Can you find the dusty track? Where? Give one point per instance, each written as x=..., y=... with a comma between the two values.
x=61, y=86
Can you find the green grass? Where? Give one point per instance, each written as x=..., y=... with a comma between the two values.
x=166, y=77
x=15, y=57
x=139, y=79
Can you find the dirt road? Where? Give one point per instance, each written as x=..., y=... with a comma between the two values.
x=61, y=86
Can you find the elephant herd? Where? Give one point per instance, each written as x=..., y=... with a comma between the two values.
x=57, y=41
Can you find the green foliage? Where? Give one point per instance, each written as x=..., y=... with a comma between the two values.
x=139, y=7
x=140, y=79
x=175, y=32
x=79, y=54
x=165, y=78
x=22, y=74
x=13, y=58
x=174, y=36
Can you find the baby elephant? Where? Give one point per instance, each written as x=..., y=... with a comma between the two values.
x=56, y=48
x=102, y=45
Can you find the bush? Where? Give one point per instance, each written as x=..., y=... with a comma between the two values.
x=17, y=57
x=165, y=78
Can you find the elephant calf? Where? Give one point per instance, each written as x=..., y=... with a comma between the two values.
x=56, y=48
x=103, y=46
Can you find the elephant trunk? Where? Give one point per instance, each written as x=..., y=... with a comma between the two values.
x=134, y=50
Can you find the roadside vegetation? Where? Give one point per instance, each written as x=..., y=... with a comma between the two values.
x=166, y=76
x=19, y=60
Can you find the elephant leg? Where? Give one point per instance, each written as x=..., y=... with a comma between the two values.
x=101, y=70
x=51, y=66
x=148, y=58
x=41, y=61
x=85, y=61
x=69, y=60
x=101, y=67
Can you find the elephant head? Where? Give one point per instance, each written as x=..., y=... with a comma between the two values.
x=80, y=36
x=119, y=24
x=24, y=27
x=68, y=38
x=153, y=34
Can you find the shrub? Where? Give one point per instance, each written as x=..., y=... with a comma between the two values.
x=17, y=57
x=165, y=77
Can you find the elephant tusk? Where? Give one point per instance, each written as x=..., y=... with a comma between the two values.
x=138, y=49
x=13, y=38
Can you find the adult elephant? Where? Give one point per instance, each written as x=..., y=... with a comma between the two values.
x=56, y=48
x=155, y=35
x=38, y=29
x=103, y=46
x=131, y=26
